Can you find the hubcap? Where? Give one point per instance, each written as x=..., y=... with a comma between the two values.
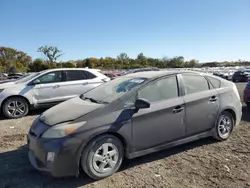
x=225, y=126
x=16, y=108
x=105, y=158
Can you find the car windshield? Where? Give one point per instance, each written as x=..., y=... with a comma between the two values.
x=27, y=78
x=113, y=90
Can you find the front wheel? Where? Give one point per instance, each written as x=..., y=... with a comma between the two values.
x=102, y=157
x=15, y=107
x=224, y=126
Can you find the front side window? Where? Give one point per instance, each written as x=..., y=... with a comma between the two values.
x=162, y=89
x=51, y=77
x=194, y=83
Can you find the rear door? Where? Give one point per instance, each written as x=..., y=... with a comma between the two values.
x=201, y=103
x=163, y=121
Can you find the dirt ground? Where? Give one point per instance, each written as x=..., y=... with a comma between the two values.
x=203, y=163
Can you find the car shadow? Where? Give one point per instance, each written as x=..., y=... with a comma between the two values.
x=16, y=170
x=166, y=153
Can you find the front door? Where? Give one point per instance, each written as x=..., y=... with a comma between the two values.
x=163, y=121
x=49, y=89
x=201, y=104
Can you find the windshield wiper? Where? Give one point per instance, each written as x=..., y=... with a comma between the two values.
x=94, y=100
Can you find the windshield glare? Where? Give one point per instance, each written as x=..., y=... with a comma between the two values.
x=27, y=78
x=114, y=89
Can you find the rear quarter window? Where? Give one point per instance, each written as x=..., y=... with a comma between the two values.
x=215, y=82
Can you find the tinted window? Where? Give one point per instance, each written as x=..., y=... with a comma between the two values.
x=160, y=90
x=51, y=77
x=75, y=75
x=194, y=83
x=215, y=82
x=78, y=75
x=89, y=75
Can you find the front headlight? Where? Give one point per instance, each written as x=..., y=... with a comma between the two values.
x=1, y=90
x=62, y=130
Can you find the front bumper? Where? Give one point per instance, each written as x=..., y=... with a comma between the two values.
x=66, y=154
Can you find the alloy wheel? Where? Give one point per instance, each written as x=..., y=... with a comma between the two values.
x=105, y=158
x=225, y=126
x=16, y=108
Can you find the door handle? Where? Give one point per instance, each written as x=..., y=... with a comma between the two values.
x=178, y=109
x=213, y=98
x=85, y=83
x=56, y=86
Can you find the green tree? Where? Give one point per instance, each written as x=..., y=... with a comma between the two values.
x=10, y=58
x=141, y=60
x=38, y=65
x=69, y=64
x=52, y=53
x=191, y=63
x=123, y=60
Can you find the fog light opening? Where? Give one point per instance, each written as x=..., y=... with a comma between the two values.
x=50, y=156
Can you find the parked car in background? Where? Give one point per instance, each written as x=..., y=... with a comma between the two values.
x=3, y=76
x=112, y=75
x=15, y=76
x=46, y=88
x=131, y=116
x=246, y=94
x=241, y=76
x=228, y=75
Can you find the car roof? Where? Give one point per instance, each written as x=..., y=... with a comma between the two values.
x=154, y=74
x=64, y=69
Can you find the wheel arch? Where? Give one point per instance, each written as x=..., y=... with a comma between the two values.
x=115, y=134
x=19, y=96
x=231, y=111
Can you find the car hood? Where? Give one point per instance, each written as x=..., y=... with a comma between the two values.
x=68, y=111
x=9, y=84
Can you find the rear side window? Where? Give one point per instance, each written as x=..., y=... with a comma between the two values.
x=215, y=82
x=194, y=83
x=89, y=75
x=73, y=75
x=163, y=89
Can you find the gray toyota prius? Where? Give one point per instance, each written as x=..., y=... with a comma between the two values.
x=131, y=116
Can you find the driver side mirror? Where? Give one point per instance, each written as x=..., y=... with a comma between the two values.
x=37, y=81
x=142, y=103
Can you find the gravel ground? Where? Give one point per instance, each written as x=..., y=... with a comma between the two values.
x=203, y=163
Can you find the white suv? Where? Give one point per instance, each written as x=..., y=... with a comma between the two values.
x=46, y=88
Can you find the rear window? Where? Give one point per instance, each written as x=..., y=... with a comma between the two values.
x=215, y=82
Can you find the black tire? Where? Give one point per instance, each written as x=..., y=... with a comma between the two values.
x=19, y=107
x=87, y=158
x=248, y=105
x=217, y=132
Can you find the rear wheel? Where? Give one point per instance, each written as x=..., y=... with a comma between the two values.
x=224, y=126
x=15, y=107
x=102, y=157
